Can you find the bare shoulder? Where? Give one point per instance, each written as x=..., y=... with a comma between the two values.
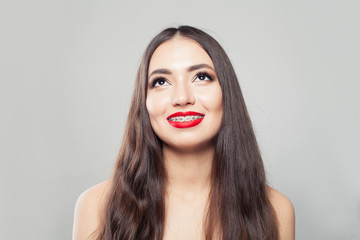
x=285, y=213
x=88, y=211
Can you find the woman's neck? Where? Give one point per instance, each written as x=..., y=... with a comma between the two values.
x=188, y=173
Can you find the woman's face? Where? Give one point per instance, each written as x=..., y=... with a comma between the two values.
x=184, y=98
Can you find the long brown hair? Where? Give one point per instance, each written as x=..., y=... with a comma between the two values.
x=239, y=207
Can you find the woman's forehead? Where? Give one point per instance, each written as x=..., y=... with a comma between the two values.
x=179, y=53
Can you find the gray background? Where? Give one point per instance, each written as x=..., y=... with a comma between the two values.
x=67, y=73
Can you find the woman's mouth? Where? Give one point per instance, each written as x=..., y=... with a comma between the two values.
x=185, y=119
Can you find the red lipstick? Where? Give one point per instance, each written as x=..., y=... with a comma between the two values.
x=185, y=119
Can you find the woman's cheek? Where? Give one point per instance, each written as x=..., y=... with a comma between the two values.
x=157, y=104
x=210, y=98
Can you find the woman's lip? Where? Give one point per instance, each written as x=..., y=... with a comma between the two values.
x=185, y=124
x=184, y=114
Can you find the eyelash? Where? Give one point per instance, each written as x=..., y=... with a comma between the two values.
x=207, y=75
x=156, y=80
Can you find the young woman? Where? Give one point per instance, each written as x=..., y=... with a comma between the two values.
x=189, y=166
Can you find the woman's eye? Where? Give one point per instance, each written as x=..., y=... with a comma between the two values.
x=203, y=77
x=159, y=82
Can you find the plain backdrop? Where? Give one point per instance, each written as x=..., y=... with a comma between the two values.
x=67, y=70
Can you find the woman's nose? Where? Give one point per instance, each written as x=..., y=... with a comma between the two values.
x=183, y=95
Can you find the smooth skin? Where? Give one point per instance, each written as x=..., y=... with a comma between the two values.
x=179, y=86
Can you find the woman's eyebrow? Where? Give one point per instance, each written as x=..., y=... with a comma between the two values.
x=160, y=71
x=199, y=66
x=190, y=69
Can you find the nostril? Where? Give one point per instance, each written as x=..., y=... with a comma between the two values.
x=182, y=95
x=182, y=101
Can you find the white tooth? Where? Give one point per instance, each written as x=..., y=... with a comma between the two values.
x=185, y=118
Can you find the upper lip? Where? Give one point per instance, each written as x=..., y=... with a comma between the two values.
x=189, y=113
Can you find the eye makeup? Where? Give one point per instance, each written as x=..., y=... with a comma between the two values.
x=157, y=82
x=203, y=75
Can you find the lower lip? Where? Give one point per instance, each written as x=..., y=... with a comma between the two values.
x=186, y=124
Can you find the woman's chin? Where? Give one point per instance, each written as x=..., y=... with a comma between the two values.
x=188, y=146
